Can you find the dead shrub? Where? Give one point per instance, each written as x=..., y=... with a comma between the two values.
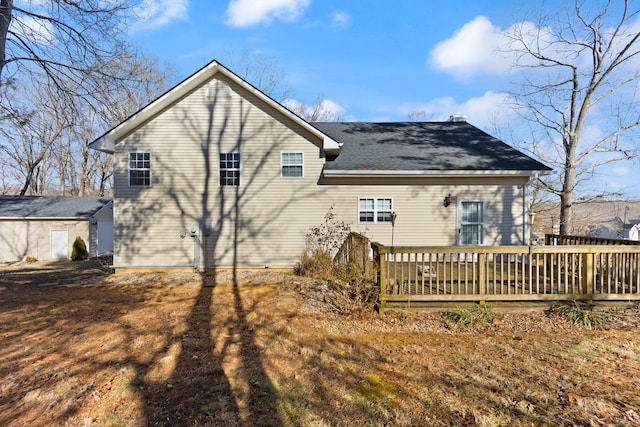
x=348, y=287
x=316, y=264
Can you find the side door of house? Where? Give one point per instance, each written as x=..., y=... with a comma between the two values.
x=59, y=244
x=471, y=222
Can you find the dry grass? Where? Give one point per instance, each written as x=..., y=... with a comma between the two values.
x=78, y=347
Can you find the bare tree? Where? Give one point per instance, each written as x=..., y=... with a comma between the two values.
x=581, y=74
x=65, y=40
x=144, y=79
x=265, y=74
x=28, y=139
x=46, y=134
x=261, y=71
x=322, y=110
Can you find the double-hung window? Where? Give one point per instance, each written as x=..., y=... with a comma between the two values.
x=230, y=169
x=375, y=209
x=139, y=169
x=471, y=223
x=292, y=165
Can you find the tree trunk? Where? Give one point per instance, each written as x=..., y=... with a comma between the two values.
x=6, y=8
x=27, y=181
x=566, y=198
x=105, y=174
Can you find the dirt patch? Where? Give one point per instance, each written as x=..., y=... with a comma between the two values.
x=81, y=347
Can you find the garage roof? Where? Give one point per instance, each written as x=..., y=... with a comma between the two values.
x=51, y=206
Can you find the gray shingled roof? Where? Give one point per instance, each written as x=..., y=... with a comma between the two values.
x=50, y=206
x=422, y=146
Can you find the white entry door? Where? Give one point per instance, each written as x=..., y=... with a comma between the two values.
x=105, y=236
x=59, y=244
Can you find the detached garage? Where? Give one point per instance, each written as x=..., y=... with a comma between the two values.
x=44, y=227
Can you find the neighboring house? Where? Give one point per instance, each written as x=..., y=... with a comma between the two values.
x=612, y=229
x=632, y=230
x=216, y=174
x=44, y=227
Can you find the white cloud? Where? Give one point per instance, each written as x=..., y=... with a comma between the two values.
x=340, y=19
x=244, y=13
x=35, y=30
x=473, y=49
x=481, y=48
x=487, y=111
x=622, y=170
x=158, y=13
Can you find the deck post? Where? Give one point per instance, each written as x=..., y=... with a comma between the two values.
x=482, y=277
x=587, y=275
x=380, y=261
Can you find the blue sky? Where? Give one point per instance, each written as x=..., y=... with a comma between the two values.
x=374, y=60
x=371, y=58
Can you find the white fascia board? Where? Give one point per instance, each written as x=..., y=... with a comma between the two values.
x=107, y=141
x=429, y=173
x=330, y=144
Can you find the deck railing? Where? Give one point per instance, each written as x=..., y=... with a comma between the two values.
x=355, y=249
x=561, y=239
x=507, y=273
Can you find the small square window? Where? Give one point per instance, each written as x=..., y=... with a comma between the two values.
x=139, y=169
x=292, y=165
x=230, y=169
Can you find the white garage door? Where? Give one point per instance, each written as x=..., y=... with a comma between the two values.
x=105, y=236
x=59, y=244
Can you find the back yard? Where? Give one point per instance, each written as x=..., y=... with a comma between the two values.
x=79, y=347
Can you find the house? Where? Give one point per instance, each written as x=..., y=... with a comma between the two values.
x=44, y=227
x=632, y=230
x=216, y=174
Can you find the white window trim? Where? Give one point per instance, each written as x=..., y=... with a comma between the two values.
x=282, y=165
x=375, y=210
x=483, y=232
x=230, y=169
x=129, y=169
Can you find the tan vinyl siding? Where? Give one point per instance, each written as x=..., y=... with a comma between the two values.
x=422, y=218
x=263, y=222
x=21, y=238
x=271, y=212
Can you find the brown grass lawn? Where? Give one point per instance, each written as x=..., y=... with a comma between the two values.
x=81, y=348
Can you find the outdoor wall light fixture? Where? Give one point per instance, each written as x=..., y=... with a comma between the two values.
x=447, y=201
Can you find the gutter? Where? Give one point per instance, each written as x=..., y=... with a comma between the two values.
x=430, y=173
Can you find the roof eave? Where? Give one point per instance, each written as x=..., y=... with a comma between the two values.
x=429, y=173
x=106, y=142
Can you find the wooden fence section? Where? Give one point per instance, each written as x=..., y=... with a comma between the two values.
x=561, y=239
x=507, y=273
x=355, y=249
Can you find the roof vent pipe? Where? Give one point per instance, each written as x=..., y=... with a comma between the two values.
x=457, y=118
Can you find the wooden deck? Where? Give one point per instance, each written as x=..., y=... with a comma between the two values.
x=507, y=273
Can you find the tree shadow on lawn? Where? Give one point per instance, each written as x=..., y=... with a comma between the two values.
x=219, y=378
x=143, y=349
